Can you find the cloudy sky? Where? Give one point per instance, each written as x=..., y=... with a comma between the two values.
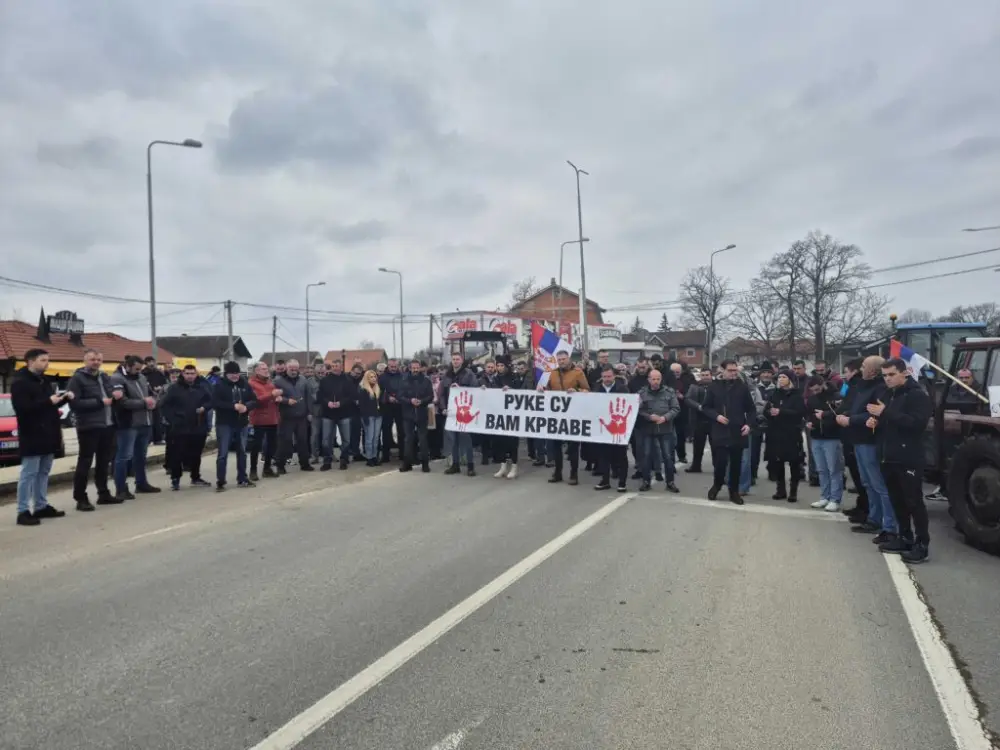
x=431, y=136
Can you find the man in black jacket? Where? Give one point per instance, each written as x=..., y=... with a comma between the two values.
x=133, y=419
x=390, y=382
x=899, y=422
x=415, y=394
x=40, y=434
x=702, y=426
x=612, y=459
x=338, y=398
x=232, y=399
x=158, y=382
x=93, y=397
x=731, y=407
x=184, y=407
x=852, y=380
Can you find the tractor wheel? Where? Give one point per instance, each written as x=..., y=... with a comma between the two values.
x=974, y=491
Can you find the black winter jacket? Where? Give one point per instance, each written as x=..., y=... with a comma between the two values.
x=369, y=405
x=180, y=405
x=419, y=387
x=38, y=426
x=391, y=383
x=731, y=399
x=338, y=389
x=900, y=431
x=784, y=431
x=225, y=395
x=860, y=393
x=89, y=390
x=826, y=428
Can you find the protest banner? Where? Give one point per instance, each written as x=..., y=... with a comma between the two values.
x=550, y=415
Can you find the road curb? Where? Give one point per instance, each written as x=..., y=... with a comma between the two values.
x=8, y=488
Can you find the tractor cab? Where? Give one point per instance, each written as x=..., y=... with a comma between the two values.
x=493, y=341
x=936, y=341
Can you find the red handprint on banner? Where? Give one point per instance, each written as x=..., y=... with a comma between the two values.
x=463, y=411
x=618, y=425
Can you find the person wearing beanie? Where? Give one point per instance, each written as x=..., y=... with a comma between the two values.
x=233, y=399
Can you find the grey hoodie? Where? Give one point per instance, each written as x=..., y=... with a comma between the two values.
x=298, y=390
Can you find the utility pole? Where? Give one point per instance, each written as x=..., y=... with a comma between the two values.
x=430, y=335
x=393, y=338
x=230, y=354
x=583, y=271
x=274, y=337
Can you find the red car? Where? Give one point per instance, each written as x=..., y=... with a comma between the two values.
x=10, y=452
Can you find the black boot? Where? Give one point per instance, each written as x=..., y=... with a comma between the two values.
x=793, y=492
x=780, y=494
x=425, y=467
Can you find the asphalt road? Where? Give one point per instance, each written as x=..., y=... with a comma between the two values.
x=196, y=620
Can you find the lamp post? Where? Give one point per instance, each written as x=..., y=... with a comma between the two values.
x=186, y=143
x=308, y=350
x=710, y=334
x=402, y=349
x=583, y=272
x=559, y=303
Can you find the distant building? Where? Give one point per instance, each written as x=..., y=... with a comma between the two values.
x=302, y=357
x=557, y=303
x=368, y=357
x=687, y=347
x=63, y=336
x=206, y=352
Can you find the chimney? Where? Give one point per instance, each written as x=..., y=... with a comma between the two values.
x=553, y=282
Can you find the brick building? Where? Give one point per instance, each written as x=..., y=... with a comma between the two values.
x=546, y=305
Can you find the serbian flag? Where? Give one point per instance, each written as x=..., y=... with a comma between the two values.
x=545, y=345
x=914, y=362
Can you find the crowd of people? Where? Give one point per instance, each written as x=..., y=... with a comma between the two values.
x=801, y=426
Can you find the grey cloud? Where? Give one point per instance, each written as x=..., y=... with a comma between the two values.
x=348, y=124
x=99, y=151
x=976, y=148
x=357, y=233
x=839, y=86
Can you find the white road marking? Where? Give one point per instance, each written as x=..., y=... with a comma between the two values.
x=770, y=509
x=314, y=717
x=953, y=694
x=451, y=742
x=164, y=530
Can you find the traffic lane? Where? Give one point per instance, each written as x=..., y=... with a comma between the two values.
x=214, y=638
x=671, y=625
x=962, y=587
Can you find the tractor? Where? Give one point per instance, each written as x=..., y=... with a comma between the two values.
x=964, y=452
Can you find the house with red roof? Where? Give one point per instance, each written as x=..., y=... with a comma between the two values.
x=63, y=336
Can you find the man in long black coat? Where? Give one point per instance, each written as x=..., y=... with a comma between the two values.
x=40, y=434
x=731, y=407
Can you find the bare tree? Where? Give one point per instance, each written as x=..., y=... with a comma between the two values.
x=858, y=317
x=704, y=297
x=368, y=344
x=664, y=326
x=760, y=315
x=983, y=312
x=521, y=291
x=915, y=315
x=783, y=277
x=833, y=275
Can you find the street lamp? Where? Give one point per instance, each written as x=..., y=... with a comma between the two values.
x=561, y=248
x=308, y=350
x=710, y=334
x=583, y=272
x=186, y=143
x=402, y=349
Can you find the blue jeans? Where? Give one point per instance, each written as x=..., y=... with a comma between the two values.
x=458, y=443
x=372, y=431
x=829, y=458
x=33, y=483
x=131, y=446
x=656, y=448
x=746, y=475
x=224, y=437
x=880, y=510
x=343, y=426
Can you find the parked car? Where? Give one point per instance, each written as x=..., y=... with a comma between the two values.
x=10, y=452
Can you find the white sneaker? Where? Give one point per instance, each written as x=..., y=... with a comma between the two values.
x=832, y=507
x=512, y=474
x=504, y=468
x=819, y=504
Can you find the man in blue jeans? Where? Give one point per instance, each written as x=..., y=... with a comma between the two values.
x=133, y=414
x=233, y=399
x=881, y=519
x=658, y=407
x=457, y=444
x=40, y=435
x=338, y=398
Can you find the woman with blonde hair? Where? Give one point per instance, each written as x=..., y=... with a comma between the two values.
x=370, y=406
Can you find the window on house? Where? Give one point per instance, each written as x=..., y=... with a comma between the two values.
x=689, y=353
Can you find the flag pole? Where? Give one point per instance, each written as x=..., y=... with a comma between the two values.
x=953, y=379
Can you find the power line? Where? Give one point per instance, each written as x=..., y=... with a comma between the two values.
x=936, y=260
x=141, y=321
x=931, y=278
x=18, y=284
